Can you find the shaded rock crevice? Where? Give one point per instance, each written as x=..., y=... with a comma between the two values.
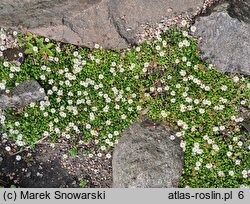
x=116, y=26
x=239, y=9
x=70, y=26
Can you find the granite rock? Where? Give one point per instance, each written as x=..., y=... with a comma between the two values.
x=146, y=157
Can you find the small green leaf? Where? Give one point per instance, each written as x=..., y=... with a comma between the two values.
x=28, y=51
x=39, y=42
x=49, y=52
x=29, y=45
x=49, y=45
x=30, y=36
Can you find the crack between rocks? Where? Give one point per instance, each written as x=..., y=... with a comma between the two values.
x=207, y=8
x=70, y=26
x=117, y=28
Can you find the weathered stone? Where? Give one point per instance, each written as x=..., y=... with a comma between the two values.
x=240, y=9
x=81, y=22
x=146, y=157
x=225, y=41
x=23, y=94
x=110, y=23
x=129, y=15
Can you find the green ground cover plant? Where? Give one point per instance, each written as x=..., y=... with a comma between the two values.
x=94, y=94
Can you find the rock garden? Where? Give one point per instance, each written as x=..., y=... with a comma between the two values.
x=122, y=93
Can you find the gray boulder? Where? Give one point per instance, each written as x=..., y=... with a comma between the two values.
x=146, y=157
x=240, y=9
x=225, y=41
x=23, y=94
x=81, y=22
x=110, y=23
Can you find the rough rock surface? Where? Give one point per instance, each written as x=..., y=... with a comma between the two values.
x=225, y=41
x=23, y=94
x=129, y=15
x=110, y=23
x=240, y=9
x=146, y=157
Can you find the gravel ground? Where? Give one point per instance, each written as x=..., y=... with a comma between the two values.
x=54, y=166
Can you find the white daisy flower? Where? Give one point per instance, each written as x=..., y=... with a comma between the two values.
x=193, y=29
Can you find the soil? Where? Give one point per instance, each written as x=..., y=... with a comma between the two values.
x=48, y=167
